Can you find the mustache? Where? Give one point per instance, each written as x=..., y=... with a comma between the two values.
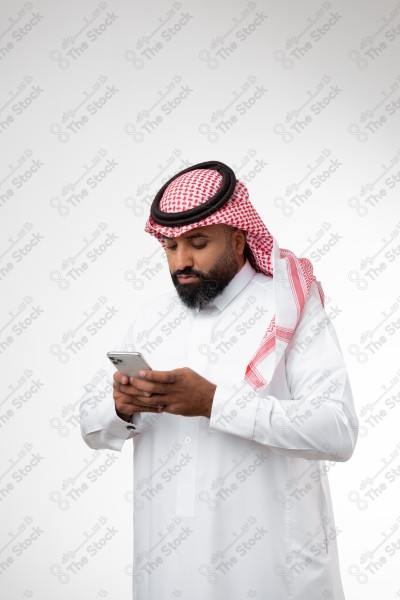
x=210, y=281
x=189, y=271
x=209, y=278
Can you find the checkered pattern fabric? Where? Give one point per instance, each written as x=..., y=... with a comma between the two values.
x=188, y=191
x=292, y=276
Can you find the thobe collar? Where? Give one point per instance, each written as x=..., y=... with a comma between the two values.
x=234, y=287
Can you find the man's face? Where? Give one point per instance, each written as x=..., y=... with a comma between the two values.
x=202, y=262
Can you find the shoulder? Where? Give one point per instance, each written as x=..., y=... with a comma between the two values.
x=313, y=305
x=314, y=328
x=261, y=281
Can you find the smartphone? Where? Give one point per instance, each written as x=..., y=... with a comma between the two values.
x=128, y=363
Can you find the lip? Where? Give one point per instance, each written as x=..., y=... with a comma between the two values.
x=187, y=278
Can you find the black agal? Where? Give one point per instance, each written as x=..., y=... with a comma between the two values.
x=192, y=215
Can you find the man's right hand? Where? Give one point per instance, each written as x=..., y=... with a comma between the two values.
x=131, y=400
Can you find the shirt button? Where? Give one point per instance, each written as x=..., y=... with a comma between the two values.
x=188, y=439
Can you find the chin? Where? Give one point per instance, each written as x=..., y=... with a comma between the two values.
x=189, y=295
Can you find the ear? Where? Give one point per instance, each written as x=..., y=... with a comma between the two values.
x=239, y=237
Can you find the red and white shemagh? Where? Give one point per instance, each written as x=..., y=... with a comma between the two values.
x=292, y=276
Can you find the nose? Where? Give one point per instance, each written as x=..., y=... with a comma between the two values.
x=182, y=258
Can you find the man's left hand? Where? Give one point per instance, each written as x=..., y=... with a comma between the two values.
x=179, y=392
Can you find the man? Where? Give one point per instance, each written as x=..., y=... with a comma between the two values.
x=250, y=395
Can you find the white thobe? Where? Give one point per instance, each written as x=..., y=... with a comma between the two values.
x=236, y=506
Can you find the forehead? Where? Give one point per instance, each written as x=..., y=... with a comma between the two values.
x=209, y=231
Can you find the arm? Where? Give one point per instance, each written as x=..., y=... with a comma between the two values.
x=101, y=427
x=316, y=418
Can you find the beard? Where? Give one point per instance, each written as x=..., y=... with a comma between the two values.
x=209, y=285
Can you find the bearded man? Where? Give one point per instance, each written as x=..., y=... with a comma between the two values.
x=249, y=394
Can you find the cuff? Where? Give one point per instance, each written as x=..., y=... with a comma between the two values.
x=115, y=426
x=134, y=421
x=235, y=411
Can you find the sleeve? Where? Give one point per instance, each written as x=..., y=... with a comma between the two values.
x=101, y=427
x=307, y=411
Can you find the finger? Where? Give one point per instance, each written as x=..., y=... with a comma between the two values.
x=125, y=406
x=141, y=401
x=148, y=407
x=140, y=409
x=120, y=377
x=149, y=389
x=161, y=380
x=133, y=391
x=160, y=400
x=128, y=389
x=156, y=376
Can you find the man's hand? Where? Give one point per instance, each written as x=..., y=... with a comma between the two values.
x=179, y=392
x=129, y=400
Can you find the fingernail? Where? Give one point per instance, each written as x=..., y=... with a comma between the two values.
x=142, y=373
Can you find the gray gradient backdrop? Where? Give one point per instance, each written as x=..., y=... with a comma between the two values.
x=100, y=103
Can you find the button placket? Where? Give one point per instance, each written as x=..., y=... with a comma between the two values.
x=190, y=426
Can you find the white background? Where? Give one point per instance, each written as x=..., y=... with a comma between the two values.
x=100, y=103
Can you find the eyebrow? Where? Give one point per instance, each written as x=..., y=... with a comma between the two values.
x=189, y=237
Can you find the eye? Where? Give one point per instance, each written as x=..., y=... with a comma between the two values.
x=193, y=246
